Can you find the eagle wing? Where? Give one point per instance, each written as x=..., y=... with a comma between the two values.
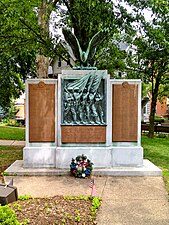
x=94, y=42
x=73, y=42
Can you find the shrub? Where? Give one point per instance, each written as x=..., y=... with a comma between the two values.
x=8, y=216
x=159, y=120
x=12, y=123
x=161, y=135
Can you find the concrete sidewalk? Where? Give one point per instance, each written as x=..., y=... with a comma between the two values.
x=12, y=142
x=125, y=200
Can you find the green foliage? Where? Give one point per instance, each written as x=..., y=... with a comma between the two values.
x=96, y=202
x=10, y=112
x=88, y=17
x=162, y=135
x=25, y=197
x=12, y=123
x=17, y=57
x=160, y=120
x=11, y=133
x=11, y=86
x=77, y=217
x=21, y=37
x=26, y=31
x=76, y=197
x=8, y=216
x=5, y=174
x=150, y=59
x=17, y=206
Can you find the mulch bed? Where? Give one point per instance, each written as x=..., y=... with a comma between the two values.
x=55, y=210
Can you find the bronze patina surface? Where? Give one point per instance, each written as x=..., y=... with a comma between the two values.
x=41, y=112
x=83, y=134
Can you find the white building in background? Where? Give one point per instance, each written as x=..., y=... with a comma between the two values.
x=20, y=105
x=146, y=112
x=57, y=66
x=1, y=113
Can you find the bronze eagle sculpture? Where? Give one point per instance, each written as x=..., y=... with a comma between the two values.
x=75, y=50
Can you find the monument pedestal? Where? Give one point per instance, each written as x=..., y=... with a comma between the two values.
x=83, y=112
x=103, y=157
x=40, y=157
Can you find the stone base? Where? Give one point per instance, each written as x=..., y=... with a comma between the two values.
x=148, y=169
x=127, y=156
x=41, y=157
x=102, y=157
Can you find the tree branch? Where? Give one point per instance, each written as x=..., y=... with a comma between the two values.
x=30, y=28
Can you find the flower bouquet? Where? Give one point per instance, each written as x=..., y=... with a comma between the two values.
x=81, y=166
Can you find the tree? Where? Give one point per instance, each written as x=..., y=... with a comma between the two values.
x=86, y=18
x=26, y=44
x=25, y=28
x=25, y=25
x=11, y=85
x=151, y=59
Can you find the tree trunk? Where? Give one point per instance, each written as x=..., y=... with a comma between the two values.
x=42, y=65
x=153, y=105
x=151, y=119
x=42, y=62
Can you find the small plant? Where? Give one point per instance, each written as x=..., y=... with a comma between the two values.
x=96, y=202
x=81, y=197
x=78, y=218
x=5, y=174
x=48, y=211
x=8, y=216
x=46, y=205
x=38, y=200
x=63, y=221
x=17, y=206
x=69, y=216
x=25, y=222
x=25, y=197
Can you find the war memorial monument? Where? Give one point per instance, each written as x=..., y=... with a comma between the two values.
x=84, y=112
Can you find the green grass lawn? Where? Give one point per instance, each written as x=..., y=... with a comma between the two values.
x=157, y=151
x=8, y=155
x=12, y=133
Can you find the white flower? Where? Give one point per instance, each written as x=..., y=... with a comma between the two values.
x=83, y=174
x=79, y=168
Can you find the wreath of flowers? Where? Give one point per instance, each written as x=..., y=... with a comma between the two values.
x=81, y=166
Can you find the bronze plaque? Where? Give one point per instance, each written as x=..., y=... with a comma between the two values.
x=124, y=112
x=41, y=112
x=83, y=134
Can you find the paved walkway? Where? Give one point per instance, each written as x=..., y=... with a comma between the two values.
x=125, y=200
x=12, y=142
